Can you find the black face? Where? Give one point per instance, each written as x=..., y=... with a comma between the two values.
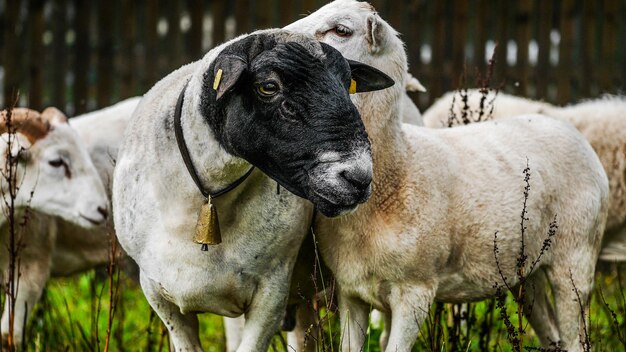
x=287, y=110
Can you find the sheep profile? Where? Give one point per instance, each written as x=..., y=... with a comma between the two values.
x=55, y=177
x=602, y=121
x=56, y=247
x=273, y=100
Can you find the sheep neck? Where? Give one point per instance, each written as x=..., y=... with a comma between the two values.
x=216, y=168
x=184, y=151
x=389, y=146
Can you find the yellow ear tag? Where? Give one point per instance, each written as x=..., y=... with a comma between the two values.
x=218, y=79
x=352, y=89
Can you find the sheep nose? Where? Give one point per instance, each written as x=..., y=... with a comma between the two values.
x=103, y=211
x=360, y=178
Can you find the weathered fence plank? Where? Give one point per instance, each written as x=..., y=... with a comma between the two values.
x=242, y=16
x=218, y=12
x=82, y=57
x=194, y=40
x=59, y=53
x=128, y=38
x=152, y=42
x=36, y=55
x=115, y=49
x=105, y=54
x=522, y=38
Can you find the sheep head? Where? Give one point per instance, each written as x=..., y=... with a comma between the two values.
x=54, y=165
x=359, y=33
x=281, y=101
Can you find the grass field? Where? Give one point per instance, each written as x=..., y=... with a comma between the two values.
x=74, y=314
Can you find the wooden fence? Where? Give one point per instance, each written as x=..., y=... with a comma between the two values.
x=81, y=55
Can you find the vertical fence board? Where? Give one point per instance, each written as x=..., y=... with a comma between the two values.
x=621, y=47
x=500, y=16
x=59, y=52
x=286, y=13
x=264, y=14
x=3, y=29
x=36, y=55
x=81, y=54
x=412, y=35
x=422, y=39
x=587, y=36
x=242, y=16
x=566, y=51
x=218, y=11
x=609, y=42
x=543, y=39
x=438, y=50
x=152, y=42
x=522, y=38
x=105, y=54
x=458, y=36
x=128, y=37
x=171, y=44
x=12, y=53
x=196, y=11
x=393, y=16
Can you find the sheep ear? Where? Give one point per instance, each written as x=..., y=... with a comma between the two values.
x=53, y=115
x=365, y=78
x=226, y=72
x=375, y=35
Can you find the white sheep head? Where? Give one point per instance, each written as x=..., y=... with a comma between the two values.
x=54, y=166
x=359, y=33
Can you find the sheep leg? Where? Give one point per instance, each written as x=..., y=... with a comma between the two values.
x=299, y=339
x=354, y=317
x=409, y=309
x=35, y=263
x=568, y=299
x=233, y=328
x=542, y=316
x=614, y=246
x=265, y=313
x=34, y=275
x=384, y=337
x=182, y=328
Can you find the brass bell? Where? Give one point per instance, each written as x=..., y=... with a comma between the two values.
x=208, y=226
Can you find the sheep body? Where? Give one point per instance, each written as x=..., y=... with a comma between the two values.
x=601, y=121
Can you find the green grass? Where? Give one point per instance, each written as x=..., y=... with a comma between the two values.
x=73, y=316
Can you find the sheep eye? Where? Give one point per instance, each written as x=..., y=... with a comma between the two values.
x=342, y=31
x=56, y=162
x=268, y=89
x=60, y=162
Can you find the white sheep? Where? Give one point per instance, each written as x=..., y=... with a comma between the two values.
x=57, y=247
x=427, y=232
x=601, y=121
x=301, y=284
x=77, y=249
x=56, y=168
x=273, y=99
